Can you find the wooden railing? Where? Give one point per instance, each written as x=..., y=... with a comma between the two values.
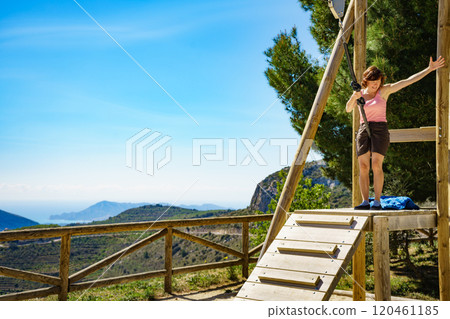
x=66, y=283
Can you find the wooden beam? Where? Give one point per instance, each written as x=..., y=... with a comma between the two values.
x=109, y=260
x=421, y=134
x=359, y=270
x=411, y=222
x=255, y=250
x=122, y=227
x=207, y=243
x=442, y=127
x=220, y=264
x=381, y=258
x=30, y=294
x=64, y=262
x=309, y=131
x=359, y=61
x=28, y=275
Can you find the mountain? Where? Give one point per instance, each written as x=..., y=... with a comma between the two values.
x=267, y=188
x=99, y=211
x=160, y=212
x=202, y=207
x=12, y=221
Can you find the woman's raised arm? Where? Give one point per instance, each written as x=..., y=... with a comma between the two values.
x=395, y=87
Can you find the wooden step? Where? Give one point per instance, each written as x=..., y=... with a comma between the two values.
x=299, y=278
x=324, y=220
x=307, y=247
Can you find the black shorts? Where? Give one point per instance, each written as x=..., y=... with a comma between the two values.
x=379, y=141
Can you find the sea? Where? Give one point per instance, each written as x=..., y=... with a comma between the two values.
x=40, y=211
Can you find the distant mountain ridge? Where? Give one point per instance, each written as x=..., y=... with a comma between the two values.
x=106, y=209
x=99, y=211
x=13, y=221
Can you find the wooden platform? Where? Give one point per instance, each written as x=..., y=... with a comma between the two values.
x=397, y=219
x=307, y=258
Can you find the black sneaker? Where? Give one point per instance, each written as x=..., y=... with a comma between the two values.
x=377, y=207
x=362, y=207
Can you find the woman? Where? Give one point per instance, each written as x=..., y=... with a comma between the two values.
x=376, y=93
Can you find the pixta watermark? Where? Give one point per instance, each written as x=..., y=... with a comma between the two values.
x=143, y=151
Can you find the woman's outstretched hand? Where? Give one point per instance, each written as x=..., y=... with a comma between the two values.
x=439, y=63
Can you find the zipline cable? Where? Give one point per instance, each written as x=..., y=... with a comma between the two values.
x=337, y=8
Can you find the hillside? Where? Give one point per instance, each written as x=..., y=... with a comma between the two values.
x=43, y=255
x=267, y=188
x=12, y=221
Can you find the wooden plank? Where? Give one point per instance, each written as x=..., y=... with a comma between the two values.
x=11, y=235
x=207, y=243
x=258, y=291
x=28, y=275
x=323, y=284
x=381, y=258
x=324, y=219
x=359, y=270
x=64, y=262
x=299, y=279
x=358, y=221
x=371, y=213
x=442, y=149
x=30, y=294
x=110, y=259
x=340, y=252
x=193, y=268
x=300, y=263
x=345, y=262
x=341, y=236
x=421, y=134
x=306, y=247
x=168, y=261
x=411, y=222
x=310, y=129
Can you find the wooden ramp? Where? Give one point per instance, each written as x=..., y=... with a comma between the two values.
x=306, y=260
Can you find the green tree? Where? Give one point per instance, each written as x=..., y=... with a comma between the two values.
x=306, y=197
x=401, y=36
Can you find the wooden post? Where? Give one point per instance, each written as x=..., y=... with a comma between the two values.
x=359, y=60
x=442, y=113
x=296, y=169
x=381, y=258
x=168, y=261
x=64, y=260
x=245, y=245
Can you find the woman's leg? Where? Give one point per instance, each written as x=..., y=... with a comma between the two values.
x=378, y=175
x=364, y=181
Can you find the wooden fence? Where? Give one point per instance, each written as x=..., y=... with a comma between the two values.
x=66, y=283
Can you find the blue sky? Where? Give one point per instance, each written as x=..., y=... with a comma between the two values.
x=70, y=97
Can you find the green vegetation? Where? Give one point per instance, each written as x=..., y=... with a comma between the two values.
x=153, y=289
x=306, y=197
x=414, y=271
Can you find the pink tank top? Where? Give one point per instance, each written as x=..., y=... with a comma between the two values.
x=375, y=109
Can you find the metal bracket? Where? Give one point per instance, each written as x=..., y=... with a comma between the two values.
x=337, y=7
